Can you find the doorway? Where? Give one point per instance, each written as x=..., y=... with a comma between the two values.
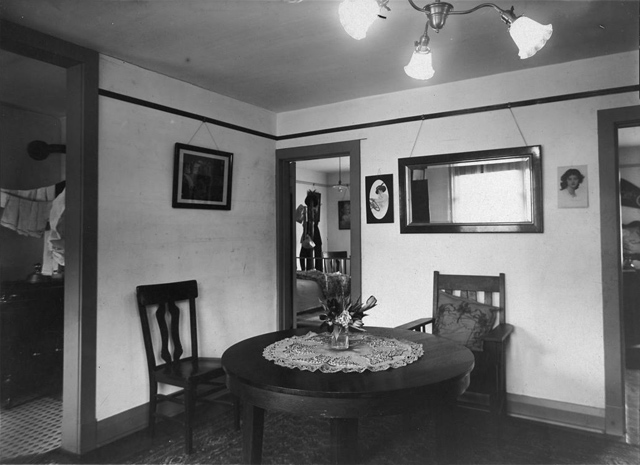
x=629, y=169
x=609, y=124
x=32, y=103
x=287, y=239
x=81, y=174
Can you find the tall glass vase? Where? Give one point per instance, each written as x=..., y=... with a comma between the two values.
x=340, y=337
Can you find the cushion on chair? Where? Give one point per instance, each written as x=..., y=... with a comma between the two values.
x=464, y=321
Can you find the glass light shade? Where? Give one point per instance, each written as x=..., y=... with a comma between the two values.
x=356, y=16
x=420, y=66
x=529, y=36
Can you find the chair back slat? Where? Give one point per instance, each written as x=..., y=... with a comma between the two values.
x=335, y=261
x=165, y=297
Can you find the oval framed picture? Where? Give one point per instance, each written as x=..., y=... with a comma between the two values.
x=379, y=191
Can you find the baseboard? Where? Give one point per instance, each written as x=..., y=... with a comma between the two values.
x=122, y=424
x=558, y=413
x=128, y=422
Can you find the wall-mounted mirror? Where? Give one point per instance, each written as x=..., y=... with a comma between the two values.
x=486, y=191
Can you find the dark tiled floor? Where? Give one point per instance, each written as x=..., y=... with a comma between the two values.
x=31, y=428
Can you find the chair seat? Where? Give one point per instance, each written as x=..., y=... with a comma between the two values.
x=188, y=370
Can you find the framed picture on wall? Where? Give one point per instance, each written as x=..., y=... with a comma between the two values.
x=344, y=214
x=379, y=190
x=202, y=178
x=573, y=187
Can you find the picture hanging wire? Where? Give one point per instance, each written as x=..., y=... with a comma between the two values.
x=211, y=135
x=417, y=135
x=517, y=125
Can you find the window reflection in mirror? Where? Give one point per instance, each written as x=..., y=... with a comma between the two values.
x=487, y=191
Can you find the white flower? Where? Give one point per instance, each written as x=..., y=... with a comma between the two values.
x=344, y=319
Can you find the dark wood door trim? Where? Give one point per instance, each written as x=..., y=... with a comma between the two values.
x=81, y=218
x=609, y=121
x=285, y=158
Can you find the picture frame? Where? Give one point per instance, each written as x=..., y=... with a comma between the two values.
x=344, y=214
x=432, y=201
x=379, y=190
x=573, y=186
x=202, y=178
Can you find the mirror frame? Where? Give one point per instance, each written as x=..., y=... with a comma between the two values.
x=533, y=152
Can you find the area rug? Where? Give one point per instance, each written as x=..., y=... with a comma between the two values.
x=402, y=439
x=395, y=440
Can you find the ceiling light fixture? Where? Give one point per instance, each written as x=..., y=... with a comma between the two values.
x=356, y=16
x=341, y=187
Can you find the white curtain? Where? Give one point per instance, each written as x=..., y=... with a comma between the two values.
x=491, y=192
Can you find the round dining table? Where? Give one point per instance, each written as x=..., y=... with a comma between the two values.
x=430, y=384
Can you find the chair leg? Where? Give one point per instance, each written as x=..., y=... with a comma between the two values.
x=236, y=412
x=498, y=399
x=153, y=405
x=189, y=407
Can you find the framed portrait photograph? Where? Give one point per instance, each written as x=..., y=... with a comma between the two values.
x=379, y=190
x=202, y=178
x=344, y=214
x=573, y=186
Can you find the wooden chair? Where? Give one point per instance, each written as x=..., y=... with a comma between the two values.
x=335, y=262
x=461, y=308
x=200, y=379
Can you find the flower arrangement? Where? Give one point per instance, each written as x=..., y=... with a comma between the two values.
x=344, y=313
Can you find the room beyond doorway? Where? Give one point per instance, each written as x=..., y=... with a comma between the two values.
x=285, y=204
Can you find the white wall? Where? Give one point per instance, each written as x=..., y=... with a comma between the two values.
x=143, y=240
x=554, y=296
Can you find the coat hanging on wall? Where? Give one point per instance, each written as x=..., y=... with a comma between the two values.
x=311, y=242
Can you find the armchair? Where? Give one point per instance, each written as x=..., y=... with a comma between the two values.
x=471, y=310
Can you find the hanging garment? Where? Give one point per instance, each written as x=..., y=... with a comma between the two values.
x=26, y=211
x=311, y=241
x=56, y=223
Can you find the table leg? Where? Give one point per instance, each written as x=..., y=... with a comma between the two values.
x=344, y=440
x=252, y=433
x=446, y=430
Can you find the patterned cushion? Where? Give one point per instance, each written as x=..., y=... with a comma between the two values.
x=464, y=321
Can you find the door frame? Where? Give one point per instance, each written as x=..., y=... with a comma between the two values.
x=81, y=220
x=609, y=121
x=285, y=222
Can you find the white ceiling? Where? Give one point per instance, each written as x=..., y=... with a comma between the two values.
x=284, y=56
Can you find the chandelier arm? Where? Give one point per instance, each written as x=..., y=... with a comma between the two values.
x=421, y=9
x=508, y=13
x=483, y=5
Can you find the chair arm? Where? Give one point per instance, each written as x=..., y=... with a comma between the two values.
x=499, y=334
x=416, y=325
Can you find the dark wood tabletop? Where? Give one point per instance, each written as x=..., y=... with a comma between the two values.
x=431, y=382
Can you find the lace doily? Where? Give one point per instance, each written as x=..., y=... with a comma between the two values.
x=312, y=352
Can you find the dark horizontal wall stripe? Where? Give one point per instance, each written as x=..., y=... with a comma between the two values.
x=466, y=111
x=374, y=124
x=186, y=114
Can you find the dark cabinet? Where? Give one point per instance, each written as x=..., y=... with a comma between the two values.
x=31, y=338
